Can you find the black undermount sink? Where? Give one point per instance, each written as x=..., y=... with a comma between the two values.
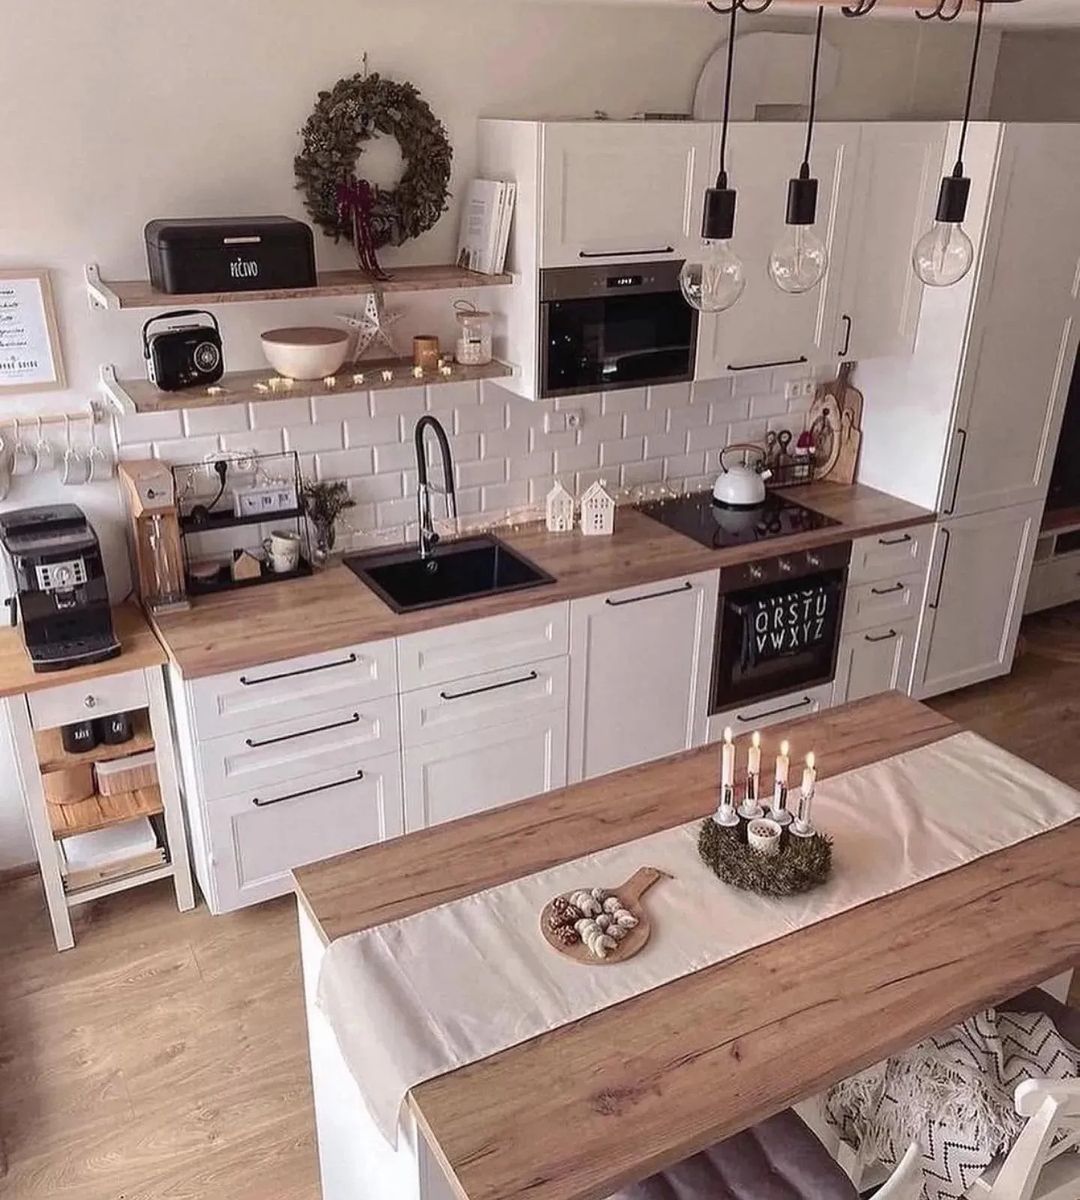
x=460, y=570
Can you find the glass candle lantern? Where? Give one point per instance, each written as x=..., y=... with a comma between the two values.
x=473, y=347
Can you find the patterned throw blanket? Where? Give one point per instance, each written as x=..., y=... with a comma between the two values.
x=953, y=1093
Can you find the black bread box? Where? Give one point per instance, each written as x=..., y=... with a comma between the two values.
x=229, y=254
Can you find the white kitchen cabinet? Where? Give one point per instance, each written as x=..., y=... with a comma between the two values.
x=895, y=194
x=768, y=327
x=873, y=661
x=883, y=603
x=616, y=191
x=639, y=673
x=484, y=768
x=897, y=553
x=256, y=839
x=484, y=741
x=1025, y=327
x=780, y=709
x=975, y=598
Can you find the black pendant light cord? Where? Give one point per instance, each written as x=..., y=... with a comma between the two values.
x=721, y=179
x=804, y=170
x=958, y=170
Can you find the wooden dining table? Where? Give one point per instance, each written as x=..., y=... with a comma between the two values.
x=586, y=1108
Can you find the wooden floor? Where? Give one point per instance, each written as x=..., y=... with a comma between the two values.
x=164, y=1058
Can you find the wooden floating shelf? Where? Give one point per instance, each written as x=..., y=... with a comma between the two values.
x=99, y=812
x=246, y=387
x=53, y=757
x=138, y=293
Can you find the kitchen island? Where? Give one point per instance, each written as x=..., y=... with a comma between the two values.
x=578, y=1112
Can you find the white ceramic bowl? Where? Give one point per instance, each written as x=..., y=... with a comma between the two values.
x=306, y=352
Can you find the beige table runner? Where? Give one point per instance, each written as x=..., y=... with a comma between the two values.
x=418, y=997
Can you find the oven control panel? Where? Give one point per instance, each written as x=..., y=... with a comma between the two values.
x=797, y=565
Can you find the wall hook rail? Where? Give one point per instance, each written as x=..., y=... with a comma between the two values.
x=859, y=9
x=746, y=6
x=942, y=11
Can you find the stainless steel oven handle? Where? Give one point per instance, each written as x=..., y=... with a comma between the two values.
x=805, y=702
x=686, y=587
x=625, y=253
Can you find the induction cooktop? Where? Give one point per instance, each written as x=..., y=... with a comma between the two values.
x=698, y=516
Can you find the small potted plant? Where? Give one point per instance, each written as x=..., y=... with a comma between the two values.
x=324, y=503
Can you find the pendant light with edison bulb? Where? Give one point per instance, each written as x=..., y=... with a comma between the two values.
x=800, y=259
x=944, y=254
x=714, y=280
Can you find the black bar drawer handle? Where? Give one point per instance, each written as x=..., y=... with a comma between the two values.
x=897, y=587
x=307, y=791
x=341, y=662
x=624, y=253
x=946, y=542
x=780, y=362
x=847, y=336
x=882, y=637
x=894, y=541
x=686, y=587
x=491, y=687
x=803, y=703
x=288, y=737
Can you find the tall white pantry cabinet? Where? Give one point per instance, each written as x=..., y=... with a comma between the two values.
x=969, y=423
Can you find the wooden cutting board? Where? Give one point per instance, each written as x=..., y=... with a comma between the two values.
x=849, y=396
x=847, y=460
x=629, y=894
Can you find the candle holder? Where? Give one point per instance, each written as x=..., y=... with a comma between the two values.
x=779, y=811
x=751, y=809
x=794, y=865
x=725, y=815
x=801, y=826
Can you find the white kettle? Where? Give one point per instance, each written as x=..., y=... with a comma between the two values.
x=741, y=485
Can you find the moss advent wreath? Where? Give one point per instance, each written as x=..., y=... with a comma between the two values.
x=355, y=110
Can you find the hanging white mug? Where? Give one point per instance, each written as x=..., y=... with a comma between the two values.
x=102, y=464
x=44, y=451
x=23, y=458
x=74, y=467
x=5, y=469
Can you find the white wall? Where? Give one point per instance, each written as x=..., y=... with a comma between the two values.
x=113, y=113
x=1038, y=76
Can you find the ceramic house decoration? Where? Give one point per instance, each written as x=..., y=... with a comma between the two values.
x=560, y=510
x=597, y=511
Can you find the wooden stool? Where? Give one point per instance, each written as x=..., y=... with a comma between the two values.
x=780, y=1159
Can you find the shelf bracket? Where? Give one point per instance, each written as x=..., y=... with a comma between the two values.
x=99, y=292
x=114, y=393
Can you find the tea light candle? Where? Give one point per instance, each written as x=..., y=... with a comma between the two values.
x=418, y=372
x=802, y=826
x=387, y=376
x=330, y=381
x=446, y=371
x=763, y=837
x=358, y=378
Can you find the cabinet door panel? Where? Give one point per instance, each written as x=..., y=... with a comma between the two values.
x=484, y=769
x=879, y=605
x=613, y=191
x=768, y=326
x=256, y=840
x=1025, y=328
x=777, y=711
x=873, y=661
x=640, y=665
x=899, y=170
x=975, y=598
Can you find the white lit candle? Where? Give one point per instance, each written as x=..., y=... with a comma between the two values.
x=779, y=811
x=809, y=775
x=802, y=825
x=753, y=757
x=783, y=762
x=727, y=760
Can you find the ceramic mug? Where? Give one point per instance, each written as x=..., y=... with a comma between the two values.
x=23, y=457
x=283, y=550
x=44, y=451
x=763, y=836
x=102, y=465
x=74, y=467
x=5, y=469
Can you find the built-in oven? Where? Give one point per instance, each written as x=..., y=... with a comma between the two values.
x=778, y=625
x=614, y=327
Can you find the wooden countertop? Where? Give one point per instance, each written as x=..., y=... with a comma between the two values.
x=236, y=630
x=140, y=649
x=583, y=1110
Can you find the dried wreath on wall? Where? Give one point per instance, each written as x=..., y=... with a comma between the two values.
x=343, y=205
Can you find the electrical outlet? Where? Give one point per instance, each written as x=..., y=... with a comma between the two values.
x=575, y=418
x=809, y=388
x=798, y=389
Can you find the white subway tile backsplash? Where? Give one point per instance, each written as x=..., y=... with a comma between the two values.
x=308, y=439
x=398, y=456
x=768, y=406
x=186, y=450
x=279, y=414
x=711, y=437
x=499, y=497
x=465, y=447
x=625, y=450
x=752, y=383
x=134, y=451
x=487, y=470
x=149, y=427
x=480, y=418
x=228, y=418
x=505, y=443
x=345, y=407
x=579, y=458
x=377, y=487
x=670, y=395
x=373, y=431
x=525, y=466
x=730, y=408
x=749, y=431
x=661, y=445
x=602, y=429
x=712, y=389
x=638, y=474
x=630, y=400
x=682, y=465
x=652, y=420
x=691, y=417
x=460, y=394
x=394, y=512
x=398, y=402
x=254, y=441
x=339, y=464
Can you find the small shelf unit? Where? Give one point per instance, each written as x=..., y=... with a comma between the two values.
x=1055, y=573
x=138, y=293
x=99, y=812
x=129, y=396
x=53, y=757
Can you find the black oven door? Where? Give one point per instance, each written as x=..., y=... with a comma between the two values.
x=614, y=327
x=774, y=639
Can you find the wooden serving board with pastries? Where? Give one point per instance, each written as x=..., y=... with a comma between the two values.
x=601, y=926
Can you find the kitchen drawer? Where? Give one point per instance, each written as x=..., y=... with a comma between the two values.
x=273, y=754
x=82, y=701
x=1053, y=581
x=474, y=647
x=803, y=703
x=885, y=602
x=249, y=699
x=258, y=837
x=875, y=661
x=896, y=554
x=480, y=701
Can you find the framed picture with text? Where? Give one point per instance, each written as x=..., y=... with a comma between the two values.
x=30, y=358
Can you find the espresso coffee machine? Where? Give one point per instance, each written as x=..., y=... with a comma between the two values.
x=61, y=594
